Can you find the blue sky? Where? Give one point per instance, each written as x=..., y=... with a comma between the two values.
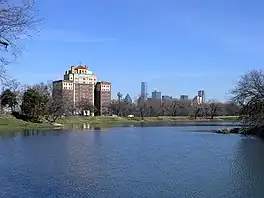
x=178, y=47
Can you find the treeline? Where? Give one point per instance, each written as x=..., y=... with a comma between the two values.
x=34, y=103
x=152, y=108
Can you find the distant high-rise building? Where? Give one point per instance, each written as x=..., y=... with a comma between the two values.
x=128, y=99
x=144, y=91
x=156, y=95
x=183, y=97
x=164, y=97
x=201, y=97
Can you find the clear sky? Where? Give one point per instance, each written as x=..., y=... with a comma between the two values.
x=177, y=46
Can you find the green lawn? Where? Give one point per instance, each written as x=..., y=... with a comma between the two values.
x=10, y=123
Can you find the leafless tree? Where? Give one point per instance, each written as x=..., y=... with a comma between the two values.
x=142, y=108
x=17, y=20
x=114, y=107
x=230, y=108
x=213, y=108
x=250, y=86
x=249, y=94
x=195, y=110
x=172, y=107
x=154, y=107
x=85, y=104
x=42, y=88
x=184, y=108
x=54, y=109
x=162, y=109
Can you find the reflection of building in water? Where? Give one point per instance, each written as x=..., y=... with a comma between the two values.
x=86, y=126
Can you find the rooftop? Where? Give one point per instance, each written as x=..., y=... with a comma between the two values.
x=80, y=67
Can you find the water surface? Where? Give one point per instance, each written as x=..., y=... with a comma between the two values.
x=132, y=162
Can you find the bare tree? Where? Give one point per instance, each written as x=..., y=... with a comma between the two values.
x=17, y=20
x=162, y=109
x=249, y=94
x=154, y=107
x=142, y=108
x=184, y=108
x=54, y=109
x=85, y=104
x=230, y=108
x=195, y=110
x=250, y=86
x=172, y=107
x=213, y=108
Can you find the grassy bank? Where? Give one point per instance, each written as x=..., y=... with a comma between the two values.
x=10, y=123
x=111, y=119
x=227, y=118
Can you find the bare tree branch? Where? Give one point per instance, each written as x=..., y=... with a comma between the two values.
x=249, y=94
x=17, y=20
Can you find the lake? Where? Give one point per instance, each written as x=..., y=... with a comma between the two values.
x=166, y=161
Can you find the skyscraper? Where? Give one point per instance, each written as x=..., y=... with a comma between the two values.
x=156, y=95
x=183, y=97
x=144, y=92
x=165, y=97
x=128, y=99
x=201, y=97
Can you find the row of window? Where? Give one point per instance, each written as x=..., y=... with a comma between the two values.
x=105, y=89
x=80, y=71
x=106, y=86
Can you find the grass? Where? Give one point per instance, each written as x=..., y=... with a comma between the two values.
x=227, y=118
x=111, y=119
x=10, y=123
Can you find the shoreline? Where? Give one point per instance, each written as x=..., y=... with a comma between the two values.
x=10, y=123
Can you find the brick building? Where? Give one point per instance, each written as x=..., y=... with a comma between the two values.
x=79, y=84
x=102, y=97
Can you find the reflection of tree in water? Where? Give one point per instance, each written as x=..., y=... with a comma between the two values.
x=8, y=134
x=31, y=132
x=246, y=171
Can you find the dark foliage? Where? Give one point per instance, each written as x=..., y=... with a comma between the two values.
x=34, y=104
x=8, y=99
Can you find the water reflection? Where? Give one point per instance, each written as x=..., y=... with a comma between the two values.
x=188, y=126
x=26, y=133
x=87, y=126
x=139, y=162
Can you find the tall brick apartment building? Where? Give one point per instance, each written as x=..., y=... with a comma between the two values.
x=78, y=85
x=102, y=94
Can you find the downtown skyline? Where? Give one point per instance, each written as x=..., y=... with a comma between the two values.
x=147, y=93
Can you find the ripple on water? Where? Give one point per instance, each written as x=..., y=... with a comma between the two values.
x=132, y=162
